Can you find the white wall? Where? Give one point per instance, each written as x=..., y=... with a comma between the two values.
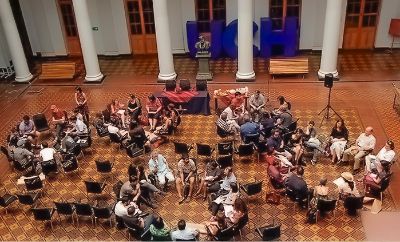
x=176, y=27
x=231, y=10
x=389, y=9
x=43, y=27
x=5, y=55
x=188, y=13
x=261, y=9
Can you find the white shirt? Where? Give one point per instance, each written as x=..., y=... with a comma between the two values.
x=229, y=113
x=120, y=209
x=186, y=234
x=384, y=154
x=366, y=142
x=47, y=154
x=81, y=127
x=112, y=129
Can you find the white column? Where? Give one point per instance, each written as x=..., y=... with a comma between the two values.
x=245, y=40
x=164, y=49
x=93, y=73
x=330, y=45
x=22, y=73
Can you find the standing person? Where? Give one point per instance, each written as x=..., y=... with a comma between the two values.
x=153, y=107
x=134, y=107
x=81, y=102
x=338, y=139
x=365, y=144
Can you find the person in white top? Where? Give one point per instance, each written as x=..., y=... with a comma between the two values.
x=231, y=118
x=386, y=154
x=47, y=153
x=365, y=144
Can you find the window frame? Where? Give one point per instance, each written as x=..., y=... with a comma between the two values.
x=211, y=12
x=284, y=7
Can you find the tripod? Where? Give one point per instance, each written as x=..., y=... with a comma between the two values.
x=327, y=108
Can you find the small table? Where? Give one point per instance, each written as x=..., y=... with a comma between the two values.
x=195, y=102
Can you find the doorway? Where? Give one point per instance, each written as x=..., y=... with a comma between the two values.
x=66, y=11
x=360, y=25
x=140, y=19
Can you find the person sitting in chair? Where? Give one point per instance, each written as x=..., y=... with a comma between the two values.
x=159, y=167
x=283, y=106
x=285, y=118
x=184, y=233
x=225, y=202
x=79, y=128
x=134, y=107
x=158, y=229
x=225, y=186
x=248, y=128
x=27, y=128
x=386, y=154
x=131, y=190
x=238, y=211
x=186, y=175
x=117, y=110
x=58, y=119
x=228, y=126
x=213, y=174
x=256, y=105
x=311, y=141
x=296, y=183
x=346, y=185
x=238, y=103
x=21, y=154
x=153, y=107
x=338, y=140
x=365, y=143
x=133, y=220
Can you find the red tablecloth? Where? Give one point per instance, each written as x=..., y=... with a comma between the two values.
x=181, y=97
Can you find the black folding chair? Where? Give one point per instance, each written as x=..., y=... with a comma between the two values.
x=253, y=188
x=84, y=210
x=43, y=214
x=6, y=200
x=102, y=213
x=66, y=209
x=40, y=122
x=28, y=198
x=94, y=187
x=204, y=150
x=225, y=161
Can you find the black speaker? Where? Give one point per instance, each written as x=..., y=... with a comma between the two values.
x=328, y=82
x=170, y=85
x=201, y=85
x=184, y=84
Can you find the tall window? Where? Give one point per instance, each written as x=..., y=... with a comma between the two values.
x=138, y=9
x=69, y=20
x=280, y=9
x=208, y=10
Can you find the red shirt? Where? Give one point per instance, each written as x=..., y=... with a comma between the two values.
x=58, y=115
x=237, y=101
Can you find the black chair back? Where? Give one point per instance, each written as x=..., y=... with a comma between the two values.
x=42, y=214
x=245, y=150
x=204, y=150
x=385, y=183
x=225, y=161
x=33, y=183
x=221, y=133
x=252, y=138
x=70, y=163
x=262, y=147
x=242, y=222
x=6, y=153
x=103, y=166
x=253, y=188
x=267, y=132
x=102, y=212
x=76, y=150
x=226, y=234
x=40, y=122
x=64, y=208
x=7, y=199
x=49, y=167
x=93, y=187
x=83, y=209
x=27, y=199
x=101, y=130
x=181, y=148
x=352, y=203
x=326, y=205
x=85, y=142
x=19, y=167
x=225, y=148
x=114, y=138
x=269, y=232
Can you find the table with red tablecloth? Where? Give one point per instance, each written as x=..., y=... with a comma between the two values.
x=195, y=102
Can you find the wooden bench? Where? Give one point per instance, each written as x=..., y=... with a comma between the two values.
x=58, y=70
x=298, y=65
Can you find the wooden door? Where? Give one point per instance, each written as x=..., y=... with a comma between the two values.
x=140, y=18
x=361, y=22
x=69, y=26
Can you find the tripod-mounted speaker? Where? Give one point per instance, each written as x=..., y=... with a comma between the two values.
x=328, y=82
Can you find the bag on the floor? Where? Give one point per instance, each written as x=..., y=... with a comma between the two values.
x=312, y=215
x=273, y=197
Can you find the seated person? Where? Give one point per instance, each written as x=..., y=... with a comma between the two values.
x=296, y=183
x=225, y=186
x=266, y=122
x=121, y=208
x=283, y=106
x=134, y=107
x=184, y=233
x=47, y=153
x=116, y=109
x=224, y=202
x=22, y=155
x=213, y=174
x=153, y=107
x=98, y=122
x=386, y=154
x=228, y=126
x=175, y=117
x=374, y=178
x=215, y=227
x=295, y=144
x=230, y=114
x=338, y=140
x=167, y=123
x=285, y=118
x=365, y=143
x=312, y=142
x=256, y=104
x=148, y=189
x=112, y=128
x=186, y=174
x=78, y=115
x=27, y=128
x=274, y=173
x=276, y=145
x=248, y=128
x=79, y=128
x=158, y=229
x=137, y=134
x=131, y=190
x=58, y=119
x=238, y=211
x=65, y=143
x=12, y=138
x=346, y=185
x=133, y=220
x=322, y=190
x=237, y=103
x=159, y=167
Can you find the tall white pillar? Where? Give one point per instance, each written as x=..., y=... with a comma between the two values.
x=93, y=73
x=22, y=73
x=330, y=45
x=245, y=40
x=164, y=49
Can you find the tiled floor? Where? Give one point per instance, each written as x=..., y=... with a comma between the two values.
x=360, y=104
